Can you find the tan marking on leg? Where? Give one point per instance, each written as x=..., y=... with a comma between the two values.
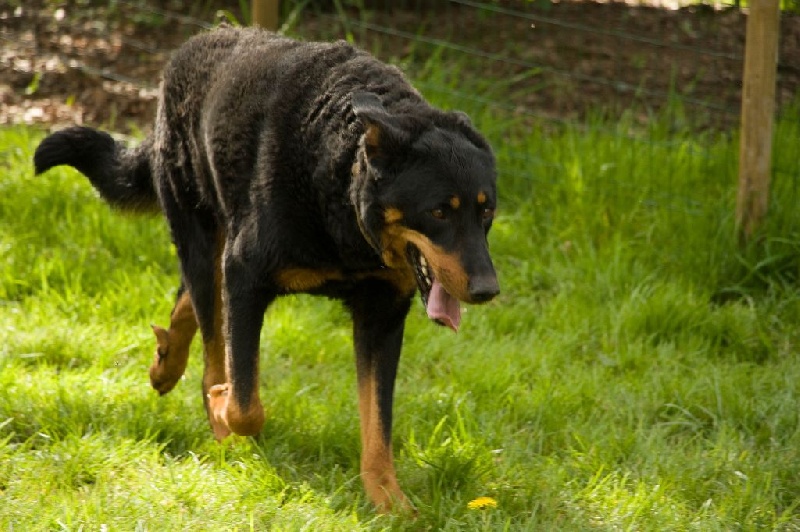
x=214, y=379
x=242, y=422
x=216, y=403
x=162, y=341
x=214, y=354
x=172, y=349
x=377, y=464
x=224, y=411
x=304, y=279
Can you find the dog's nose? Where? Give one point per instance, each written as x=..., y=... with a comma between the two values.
x=483, y=288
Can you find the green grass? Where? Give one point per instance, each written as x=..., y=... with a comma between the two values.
x=637, y=372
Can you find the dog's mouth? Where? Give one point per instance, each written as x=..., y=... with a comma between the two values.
x=441, y=307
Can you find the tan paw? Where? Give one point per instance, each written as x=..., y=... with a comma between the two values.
x=165, y=371
x=386, y=495
x=217, y=408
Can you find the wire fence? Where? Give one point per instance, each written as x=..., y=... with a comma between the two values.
x=540, y=64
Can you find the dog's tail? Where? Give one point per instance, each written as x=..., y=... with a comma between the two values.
x=121, y=175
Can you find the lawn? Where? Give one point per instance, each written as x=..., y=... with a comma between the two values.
x=639, y=371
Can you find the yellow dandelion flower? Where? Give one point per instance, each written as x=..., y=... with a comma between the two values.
x=482, y=503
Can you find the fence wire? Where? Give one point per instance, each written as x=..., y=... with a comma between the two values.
x=540, y=64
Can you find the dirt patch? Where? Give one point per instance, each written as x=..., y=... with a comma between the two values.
x=100, y=64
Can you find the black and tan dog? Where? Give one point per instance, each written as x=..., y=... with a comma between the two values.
x=285, y=167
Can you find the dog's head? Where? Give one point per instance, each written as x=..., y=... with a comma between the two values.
x=424, y=187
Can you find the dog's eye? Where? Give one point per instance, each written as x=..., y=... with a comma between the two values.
x=487, y=214
x=438, y=214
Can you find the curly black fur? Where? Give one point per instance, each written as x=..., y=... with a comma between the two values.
x=282, y=167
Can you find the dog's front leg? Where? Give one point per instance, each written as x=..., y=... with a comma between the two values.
x=379, y=313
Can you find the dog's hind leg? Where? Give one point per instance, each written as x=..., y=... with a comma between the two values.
x=214, y=375
x=199, y=247
x=379, y=311
x=203, y=275
x=237, y=402
x=172, y=349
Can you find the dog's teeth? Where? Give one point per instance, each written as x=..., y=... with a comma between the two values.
x=423, y=261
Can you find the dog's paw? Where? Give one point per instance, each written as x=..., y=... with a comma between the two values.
x=396, y=503
x=226, y=415
x=217, y=410
x=159, y=381
x=165, y=371
x=386, y=495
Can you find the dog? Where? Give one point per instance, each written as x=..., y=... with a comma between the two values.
x=288, y=167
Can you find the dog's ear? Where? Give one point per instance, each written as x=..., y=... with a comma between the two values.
x=366, y=104
x=383, y=134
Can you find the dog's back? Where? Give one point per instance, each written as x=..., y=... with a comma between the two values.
x=233, y=92
x=275, y=115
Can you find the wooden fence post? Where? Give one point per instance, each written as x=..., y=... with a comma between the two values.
x=758, y=109
x=265, y=13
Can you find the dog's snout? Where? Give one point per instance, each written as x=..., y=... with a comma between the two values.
x=483, y=288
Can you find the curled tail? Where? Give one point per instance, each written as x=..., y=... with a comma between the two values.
x=122, y=176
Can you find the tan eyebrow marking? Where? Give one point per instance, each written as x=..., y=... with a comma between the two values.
x=455, y=202
x=481, y=197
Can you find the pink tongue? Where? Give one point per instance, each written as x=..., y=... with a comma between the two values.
x=443, y=307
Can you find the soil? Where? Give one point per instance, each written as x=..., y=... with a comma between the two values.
x=78, y=62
